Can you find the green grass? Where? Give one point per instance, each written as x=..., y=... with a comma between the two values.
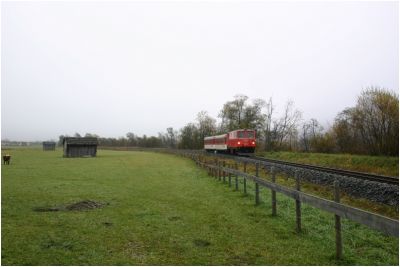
x=370, y=164
x=162, y=210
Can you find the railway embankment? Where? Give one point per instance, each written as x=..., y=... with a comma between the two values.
x=375, y=191
x=357, y=186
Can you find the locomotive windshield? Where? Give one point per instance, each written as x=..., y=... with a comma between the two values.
x=246, y=134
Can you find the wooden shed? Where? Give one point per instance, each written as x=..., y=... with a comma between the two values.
x=48, y=146
x=80, y=146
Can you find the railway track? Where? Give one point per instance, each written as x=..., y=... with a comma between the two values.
x=359, y=175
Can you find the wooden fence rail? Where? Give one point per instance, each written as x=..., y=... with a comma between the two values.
x=374, y=221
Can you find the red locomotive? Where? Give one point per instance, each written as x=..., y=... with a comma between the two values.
x=238, y=141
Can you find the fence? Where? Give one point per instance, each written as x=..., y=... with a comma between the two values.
x=219, y=170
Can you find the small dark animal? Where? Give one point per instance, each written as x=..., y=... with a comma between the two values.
x=6, y=159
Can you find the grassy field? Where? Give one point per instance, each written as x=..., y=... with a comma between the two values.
x=370, y=164
x=160, y=210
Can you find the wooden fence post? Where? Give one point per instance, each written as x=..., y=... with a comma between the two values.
x=230, y=176
x=298, y=204
x=257, y=193
x=244, y=179
x=236, y=178
x=219, y=171
x=273, y=193
x=338, y=224
x=223, y=172
x=210, y=170
x=215, y=169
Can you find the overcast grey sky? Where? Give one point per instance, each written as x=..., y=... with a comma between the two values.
x=110, y=68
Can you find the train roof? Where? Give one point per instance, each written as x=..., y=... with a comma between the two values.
x=242, y=130
x=215, y=137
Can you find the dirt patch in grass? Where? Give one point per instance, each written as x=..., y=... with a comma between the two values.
x=78, y=206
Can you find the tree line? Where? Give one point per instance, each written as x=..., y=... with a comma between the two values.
x=370, y=127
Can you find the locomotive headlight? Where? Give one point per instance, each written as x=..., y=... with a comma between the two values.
x=253, y=143
x=239, y=143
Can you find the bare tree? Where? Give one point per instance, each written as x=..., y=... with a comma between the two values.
x=310, y=135
x=287, y=124
x=205, y=124
x=305, y=137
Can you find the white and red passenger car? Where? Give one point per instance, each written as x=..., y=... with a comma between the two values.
x=238, y=141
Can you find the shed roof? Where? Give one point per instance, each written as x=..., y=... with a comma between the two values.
x=80, y=140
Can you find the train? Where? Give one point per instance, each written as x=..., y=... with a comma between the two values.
x=241, y=141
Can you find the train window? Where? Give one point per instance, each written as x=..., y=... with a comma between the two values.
x=245, y=134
